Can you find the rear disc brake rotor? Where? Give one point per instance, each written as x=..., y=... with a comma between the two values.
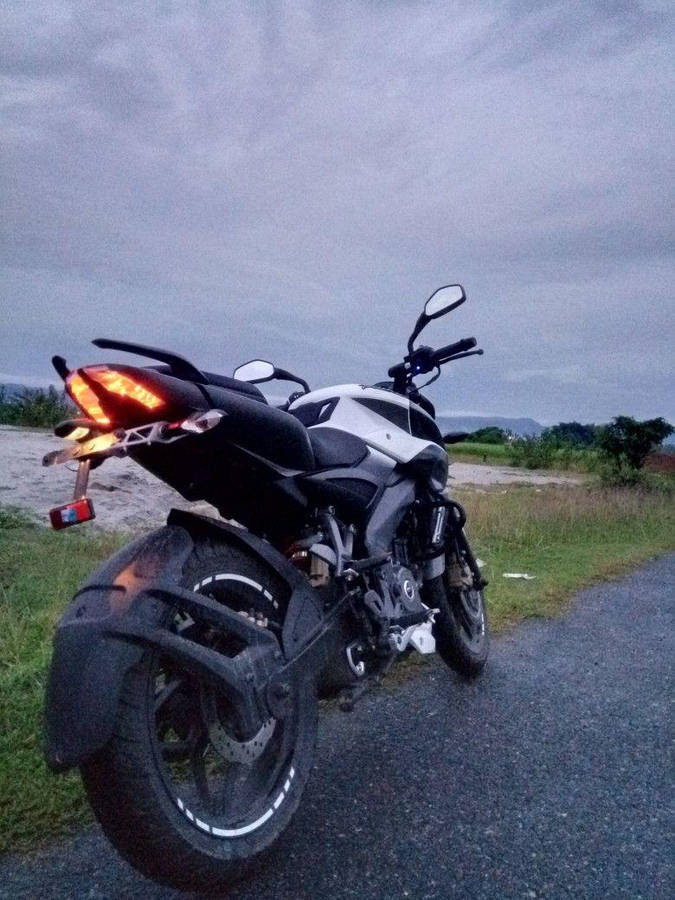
x=236, y=751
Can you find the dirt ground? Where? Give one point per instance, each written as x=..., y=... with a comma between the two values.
x=126, y=497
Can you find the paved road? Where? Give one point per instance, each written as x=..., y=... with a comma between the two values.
x=551, y=777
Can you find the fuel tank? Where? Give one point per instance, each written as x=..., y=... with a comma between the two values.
x=387, y=422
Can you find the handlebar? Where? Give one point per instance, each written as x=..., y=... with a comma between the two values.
x=444, y=353
x=425, y=359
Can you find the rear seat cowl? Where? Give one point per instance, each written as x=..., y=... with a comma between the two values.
x=233, y=384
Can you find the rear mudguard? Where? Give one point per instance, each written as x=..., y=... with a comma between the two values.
x=121, y=610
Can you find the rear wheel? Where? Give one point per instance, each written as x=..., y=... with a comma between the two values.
x=181, y=794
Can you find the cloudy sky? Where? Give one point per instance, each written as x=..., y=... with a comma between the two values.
x=291, y=180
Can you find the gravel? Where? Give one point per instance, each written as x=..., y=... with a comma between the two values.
x=549, y=777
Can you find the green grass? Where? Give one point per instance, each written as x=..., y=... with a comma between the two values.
x=565, y=537
x=467, y=451
x=39, y=570
x=567, y=458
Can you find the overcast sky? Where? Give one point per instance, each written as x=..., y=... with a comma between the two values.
x=292, y=181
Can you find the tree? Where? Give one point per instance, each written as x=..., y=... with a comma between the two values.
x=626, y=443
x=572, y=434
x=490, y=435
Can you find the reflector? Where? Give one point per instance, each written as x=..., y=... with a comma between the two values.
x=72, y=513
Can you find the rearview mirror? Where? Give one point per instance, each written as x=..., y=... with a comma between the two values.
x=254, y=371
x=446, y=298
x=443, y=300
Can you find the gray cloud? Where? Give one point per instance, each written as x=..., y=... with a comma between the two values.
x=291, y=180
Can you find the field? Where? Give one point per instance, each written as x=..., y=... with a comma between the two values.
x=472, y=452
x=566, y=537
x=534, y=455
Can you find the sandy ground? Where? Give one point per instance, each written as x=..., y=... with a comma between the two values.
x=125, y=496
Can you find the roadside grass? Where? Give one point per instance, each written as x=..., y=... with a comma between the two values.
x=567, y=537
x=39, y=570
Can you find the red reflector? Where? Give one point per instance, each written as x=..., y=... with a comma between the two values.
x=72, y=513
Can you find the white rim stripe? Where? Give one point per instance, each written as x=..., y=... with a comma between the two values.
x=245, y=829
x=230, y=576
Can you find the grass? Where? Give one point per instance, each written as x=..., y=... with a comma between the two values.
x=468, y=451
x=39, y=570
x=533, y=455
x=565, y=537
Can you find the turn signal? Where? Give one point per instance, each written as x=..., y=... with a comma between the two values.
x=86, y=399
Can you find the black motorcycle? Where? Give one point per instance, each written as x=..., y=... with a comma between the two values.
x=186, y=670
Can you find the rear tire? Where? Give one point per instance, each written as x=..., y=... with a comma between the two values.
x=167, y=789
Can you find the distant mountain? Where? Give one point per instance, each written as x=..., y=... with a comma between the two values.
x=521, y=427
x=13, y=390
x=10, y=389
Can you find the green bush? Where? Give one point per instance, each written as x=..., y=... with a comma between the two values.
x=572, y=434
x=624, y=445
x=35, y=407
x=532, y=452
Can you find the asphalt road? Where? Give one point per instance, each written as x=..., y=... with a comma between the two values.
x=550, y=777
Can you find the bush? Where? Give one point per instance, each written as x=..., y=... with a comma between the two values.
x=532, y=452
x=624, y=445
x=35, y=407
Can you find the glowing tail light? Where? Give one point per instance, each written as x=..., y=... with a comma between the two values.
x=117, y=383
x=124, y=386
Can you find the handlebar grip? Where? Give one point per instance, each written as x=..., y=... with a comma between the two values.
x=397, y=370
x=458, y=347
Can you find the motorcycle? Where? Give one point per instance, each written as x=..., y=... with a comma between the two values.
x=186, y=671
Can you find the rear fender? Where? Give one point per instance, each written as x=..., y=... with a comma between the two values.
x=88, y=666
x=119, y=612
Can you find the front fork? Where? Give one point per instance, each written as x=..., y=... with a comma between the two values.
x=446, y=529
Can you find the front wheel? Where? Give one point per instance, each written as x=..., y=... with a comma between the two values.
x=182, y=796
x=461, y=626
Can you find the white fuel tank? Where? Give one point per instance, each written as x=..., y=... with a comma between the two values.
x=386, y=421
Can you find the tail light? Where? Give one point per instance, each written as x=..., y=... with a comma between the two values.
x=99, y=391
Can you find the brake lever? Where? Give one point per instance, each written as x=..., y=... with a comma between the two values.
x=461, y=356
